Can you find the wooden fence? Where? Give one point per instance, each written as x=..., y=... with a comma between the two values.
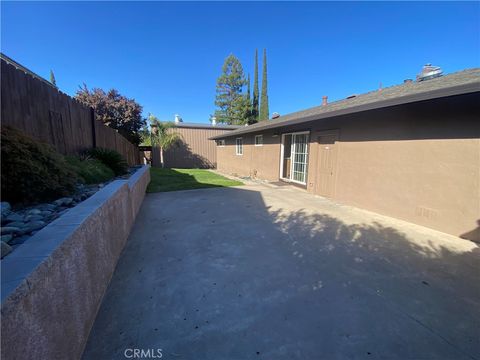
x=37, y=108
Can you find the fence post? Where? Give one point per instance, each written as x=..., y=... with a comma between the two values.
x=94, y=134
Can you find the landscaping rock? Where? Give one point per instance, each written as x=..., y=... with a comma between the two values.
x=5, y=208
x=16, y=224
x=13, y=217
x=20, y=225
x=7, y=238
x=5, y=250
x=9, y=230
x=47, y=207
x=33, y=225
x=19, y=240
x=51, y=217
x=34, y=217
x=66, y=201
x=33, y=212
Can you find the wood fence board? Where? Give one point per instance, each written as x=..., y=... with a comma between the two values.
x=43, y=112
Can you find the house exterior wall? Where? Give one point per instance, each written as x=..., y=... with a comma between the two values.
x=194, y=150
x=418, y=162
x=260, y=162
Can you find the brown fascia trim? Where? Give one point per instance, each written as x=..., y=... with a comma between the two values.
x=428, y=95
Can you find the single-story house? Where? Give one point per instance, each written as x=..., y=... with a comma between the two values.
x=410, y=151
x=194, y=149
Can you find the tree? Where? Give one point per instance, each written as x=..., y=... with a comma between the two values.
x=145, y=136
x=115, y=111
x=264, y=113
x=248, y=87
x=52, y=78
x=255, y=90
x=251, y=118
x=233, y=106
x=162, y=136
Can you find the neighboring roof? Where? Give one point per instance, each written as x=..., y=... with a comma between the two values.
x=462, y=82
x=206, y=126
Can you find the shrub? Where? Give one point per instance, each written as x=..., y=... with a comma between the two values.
x=113, y=159
x=90, y=171
x=32, y=171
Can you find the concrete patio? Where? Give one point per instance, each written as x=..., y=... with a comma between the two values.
x=264, y=272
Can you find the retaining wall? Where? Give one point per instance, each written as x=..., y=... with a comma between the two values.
x=53, y=284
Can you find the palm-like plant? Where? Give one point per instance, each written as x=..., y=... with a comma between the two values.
x=163, y=136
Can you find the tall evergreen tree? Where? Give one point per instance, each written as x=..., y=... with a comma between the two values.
x=264, y=112
x=233, y=106
x=251, y=118
x=255, y=90
x=52, y=78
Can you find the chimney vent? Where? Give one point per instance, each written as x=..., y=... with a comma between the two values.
x=178, y=119
x=324, y=100
x=213, y=120
x=275, y=115
x=429, y=72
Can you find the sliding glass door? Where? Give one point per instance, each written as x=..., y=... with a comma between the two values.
x=294, y=160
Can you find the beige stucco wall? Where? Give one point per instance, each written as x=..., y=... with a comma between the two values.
x=260, y=162
x=418, y=162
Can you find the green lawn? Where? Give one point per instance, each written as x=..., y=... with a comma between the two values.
x=186, y=179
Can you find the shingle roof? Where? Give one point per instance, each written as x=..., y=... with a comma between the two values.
x=462, y=82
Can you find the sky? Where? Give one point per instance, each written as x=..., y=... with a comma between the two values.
x=168, y=55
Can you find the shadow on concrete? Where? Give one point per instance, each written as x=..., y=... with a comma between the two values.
x=473, y=235
x=239, y=274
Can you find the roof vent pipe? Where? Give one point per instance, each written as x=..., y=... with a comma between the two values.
x=178, y=119
x=324, y=100
x=213, y=119
x=429, y=72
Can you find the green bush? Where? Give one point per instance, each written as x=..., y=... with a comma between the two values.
x=32, y=171
x=113, y=159
x=90, y=171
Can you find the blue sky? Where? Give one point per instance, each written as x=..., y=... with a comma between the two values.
x=168, y=55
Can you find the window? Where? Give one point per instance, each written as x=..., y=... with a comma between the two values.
x=239, y=146
x=258, y=140
x=221, y=142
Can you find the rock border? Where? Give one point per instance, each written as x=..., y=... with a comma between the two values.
x=53, y=284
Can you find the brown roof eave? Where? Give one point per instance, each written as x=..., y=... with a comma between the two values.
x=429, y=95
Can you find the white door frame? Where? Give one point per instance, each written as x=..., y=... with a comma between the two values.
x=291, y=153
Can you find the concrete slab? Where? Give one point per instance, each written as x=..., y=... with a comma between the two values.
x=264, y=272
